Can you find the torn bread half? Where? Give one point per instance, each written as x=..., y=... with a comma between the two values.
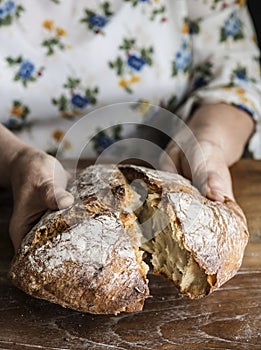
x=195, y=242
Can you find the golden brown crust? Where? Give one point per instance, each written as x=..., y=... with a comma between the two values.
x=214, y=233
x=87, y=257
x=83, y=257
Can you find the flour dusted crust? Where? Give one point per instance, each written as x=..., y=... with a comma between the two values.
x=196, y=243
x=89, y=257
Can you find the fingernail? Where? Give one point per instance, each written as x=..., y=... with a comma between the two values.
x=66, y=201
x=215, y=195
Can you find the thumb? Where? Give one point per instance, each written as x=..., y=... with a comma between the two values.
x=219, y=186
x=170, y=159
x=55, y=197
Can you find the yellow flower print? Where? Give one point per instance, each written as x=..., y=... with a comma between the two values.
x=76, y=112
x=58, y=135
x=237, y=90
x=60, y=31
x=17, y=111
x=48, y=24
x=240, y=91
x=123, y=82
x=54, y=40
x=245, y=100
x=143, y=107
x=134, y=79
x=60, y=144
x=241, y=3
x=227, y=88
x=67, y=145
x=185, y=28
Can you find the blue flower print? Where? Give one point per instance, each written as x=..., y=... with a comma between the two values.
x=199, y=82
x=232, y=28
x=26, y=69
x=2, y=13
x=10, y=6
x=136, y=62
x=232, y=25
x=241, y=74
x=75, y=98
x=79, y=101
x=98, y=20
x=103, y=141
x=9, y=11
x=182, y=59
x=105, y=138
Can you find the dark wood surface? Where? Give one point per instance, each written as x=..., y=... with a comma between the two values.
x=230, y=318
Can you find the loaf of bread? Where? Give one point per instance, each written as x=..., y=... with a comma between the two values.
x=89, y=257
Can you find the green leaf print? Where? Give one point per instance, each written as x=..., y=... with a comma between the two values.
x=118, y=65
x=157, y=11
x=61, y=103
x=51, y=43
x=72, y=83
x=127, y=44
x=146, y=54
x=106, y=9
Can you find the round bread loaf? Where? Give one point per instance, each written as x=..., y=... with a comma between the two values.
x=89, y=257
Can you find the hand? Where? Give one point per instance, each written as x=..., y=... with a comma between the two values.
x=214, y=140
x=38, y=183
x=204, y=164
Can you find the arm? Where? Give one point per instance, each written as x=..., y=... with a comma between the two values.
x=228, y=72
x=9, y=147
x=221, y=132
x=38, y=183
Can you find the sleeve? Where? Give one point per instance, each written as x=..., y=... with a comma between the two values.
x=226, y=58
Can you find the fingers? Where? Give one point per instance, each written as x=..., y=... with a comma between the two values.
x=20, y=225
x=170, y=159
x=210, y=171
x=219, y=186
x=204, y=164
x=55, y=196
x=41, y=185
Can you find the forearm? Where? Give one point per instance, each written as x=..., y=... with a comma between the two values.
x=225, y=126
x=9, y=146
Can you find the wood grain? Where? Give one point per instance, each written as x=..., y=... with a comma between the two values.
x=230, y=318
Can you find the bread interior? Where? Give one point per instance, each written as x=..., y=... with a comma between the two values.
x=163, y=240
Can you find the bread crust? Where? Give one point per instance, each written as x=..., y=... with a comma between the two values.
x=88, y=257
x=214, y=233
x=84, y=257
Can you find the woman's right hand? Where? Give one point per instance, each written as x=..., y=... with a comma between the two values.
x=38, y=183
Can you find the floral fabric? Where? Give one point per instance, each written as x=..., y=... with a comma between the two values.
x=60, y=60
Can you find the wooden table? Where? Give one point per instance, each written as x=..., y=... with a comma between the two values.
x=230, y=318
